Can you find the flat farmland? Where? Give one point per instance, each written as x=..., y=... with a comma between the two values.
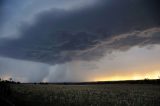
x=86, y=95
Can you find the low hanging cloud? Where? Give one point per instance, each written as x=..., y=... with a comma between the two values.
x=133, y=63
x=63, y=51
x=124, y=42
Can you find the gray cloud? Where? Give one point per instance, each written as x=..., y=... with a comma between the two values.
x=77, y=49
x=135, y=62
x=78, y=40
x=58, y=35
x=15, y=14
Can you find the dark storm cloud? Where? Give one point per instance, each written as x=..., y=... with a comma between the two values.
x=1, y=11
x=60, y=35
x=123, y=42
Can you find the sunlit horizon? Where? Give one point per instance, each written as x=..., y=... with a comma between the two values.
x=149, y=76
x=138, y=76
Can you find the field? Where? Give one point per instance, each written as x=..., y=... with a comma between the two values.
x=86, y=95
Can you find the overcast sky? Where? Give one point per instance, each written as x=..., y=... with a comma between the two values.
x=79, y=40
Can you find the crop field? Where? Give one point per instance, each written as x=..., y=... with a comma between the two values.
x=86, y=95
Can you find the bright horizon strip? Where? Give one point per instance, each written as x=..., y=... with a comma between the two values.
x=138, y=76
x=150, y=75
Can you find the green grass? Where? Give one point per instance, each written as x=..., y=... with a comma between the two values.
x=86, y=95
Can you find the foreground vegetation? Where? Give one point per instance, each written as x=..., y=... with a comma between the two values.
x=86, y=95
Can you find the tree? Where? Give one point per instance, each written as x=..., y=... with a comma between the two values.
x=10, y=79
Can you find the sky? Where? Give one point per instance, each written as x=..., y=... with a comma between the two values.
x=79, y=40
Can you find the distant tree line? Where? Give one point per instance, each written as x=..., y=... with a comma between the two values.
x=10, y=80
x=144, y=81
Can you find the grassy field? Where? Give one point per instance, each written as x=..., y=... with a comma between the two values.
x=86, y=95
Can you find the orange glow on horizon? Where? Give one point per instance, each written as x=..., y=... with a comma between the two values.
x=149, y=75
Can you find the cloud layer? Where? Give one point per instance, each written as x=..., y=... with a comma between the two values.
x=57, y=34
x=54, y=35
x=136, y=63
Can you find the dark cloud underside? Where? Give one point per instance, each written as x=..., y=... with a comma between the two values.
x=59, y=35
